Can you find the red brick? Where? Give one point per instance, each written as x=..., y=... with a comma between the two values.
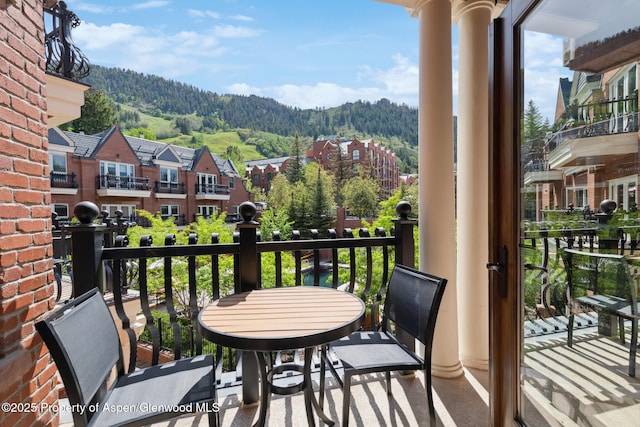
x=30, y=197
x=28, y=167
x=31, y=225
x=8, y=290
x=42, y=184
x=9, y=323
x=27, y=137
x=31, y=283
x=13, y=212
x=47, y=373
x=18, y=303
x=6, y=195
x=39, y=156
x=12, y=150
x=42, y=239
x=43, y=265
x=10, y=274
x=16, y=180
x=7, y=227
x=6, y=163
x=31, y=254
x=16, y=241
x=41, y=212
x=7, y=259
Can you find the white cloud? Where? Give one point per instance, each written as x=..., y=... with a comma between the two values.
x=232, y=31
x=149, y=5
x=399, y=84
x=94, y=37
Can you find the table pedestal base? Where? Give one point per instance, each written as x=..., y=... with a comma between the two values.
x=267, y=372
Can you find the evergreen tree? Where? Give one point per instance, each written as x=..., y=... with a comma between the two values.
x=97, y=114
x=322, y=201
x=295, y=167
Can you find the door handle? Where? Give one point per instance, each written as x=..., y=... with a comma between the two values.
x=500, y=267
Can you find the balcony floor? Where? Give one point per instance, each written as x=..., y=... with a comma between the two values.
x=459, y=402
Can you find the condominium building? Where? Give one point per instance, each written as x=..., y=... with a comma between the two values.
x=124, y=173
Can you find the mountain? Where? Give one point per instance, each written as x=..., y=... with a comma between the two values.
x=394, y=126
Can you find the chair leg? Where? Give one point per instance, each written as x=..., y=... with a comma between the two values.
x=633, y=347
x=388, y=376
x=346, y=399
x=570, y=332
x=323, y=354
x=429, y=389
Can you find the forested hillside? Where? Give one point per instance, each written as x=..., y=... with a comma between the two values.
x=395, y=126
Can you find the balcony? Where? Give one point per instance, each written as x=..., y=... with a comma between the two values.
x=122, y=186
x=212, y=192
x=594, y=132
x=63, y=183
x=538, y=172
x=170, y=190
x=65, y=66
x=557, y=375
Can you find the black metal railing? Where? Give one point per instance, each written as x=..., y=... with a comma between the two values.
x=62, y=57
x=170, y=187
x=609, y=116
x=63, y=180
x=346, y=261
x=122, y=182
x=212, y=189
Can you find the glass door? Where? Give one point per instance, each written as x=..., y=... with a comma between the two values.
x=564, y=159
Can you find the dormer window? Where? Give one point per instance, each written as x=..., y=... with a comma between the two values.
x=58, y=163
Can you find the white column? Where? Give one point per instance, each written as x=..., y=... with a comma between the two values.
x=436, y=196
x=473, y=183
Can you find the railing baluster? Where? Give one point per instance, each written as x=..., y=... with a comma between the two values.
x=170, y=240
x=334, y=258
x=193, y=298
x=316, y=260
x=363, y=233
x=295, y=235
x=156, y=342
x=348, y=233
x=215, y=269
x=278, y=259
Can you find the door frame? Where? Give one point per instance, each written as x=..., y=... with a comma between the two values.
x=505, y=304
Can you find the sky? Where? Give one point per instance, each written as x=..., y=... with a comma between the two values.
x=302, y=53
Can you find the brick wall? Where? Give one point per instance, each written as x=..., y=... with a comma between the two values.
x=27, y=376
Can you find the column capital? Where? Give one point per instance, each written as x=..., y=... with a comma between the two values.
x=462, y=7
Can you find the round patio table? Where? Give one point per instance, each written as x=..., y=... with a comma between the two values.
x=285, y=318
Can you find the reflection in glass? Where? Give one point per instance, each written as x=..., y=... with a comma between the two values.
x=579, y=154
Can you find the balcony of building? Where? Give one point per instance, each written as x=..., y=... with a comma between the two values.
x=212, y=192
x=170, y=190
x=65, y=66
x=538, y=172
x=122, y=186
x=63, y=183
x=595, y=133
x=558, y=382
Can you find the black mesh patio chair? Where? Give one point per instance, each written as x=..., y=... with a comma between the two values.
x=411, y=305
x=83, y=341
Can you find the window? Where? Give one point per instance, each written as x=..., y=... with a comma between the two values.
x=118, y=169
x=61, y=209
x=623, y=191
x=168, y=177
x=168, y=210
x=58, y=163
x=232, y=183
x=577, y=196
x=128, y=211
x=355, y=154
x=206, y=183
x=207, y=210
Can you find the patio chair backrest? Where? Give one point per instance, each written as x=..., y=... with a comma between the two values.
x=83, y=341
x=412, y=302
x=599, y=274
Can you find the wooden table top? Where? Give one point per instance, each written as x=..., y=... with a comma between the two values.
x=281, y=318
